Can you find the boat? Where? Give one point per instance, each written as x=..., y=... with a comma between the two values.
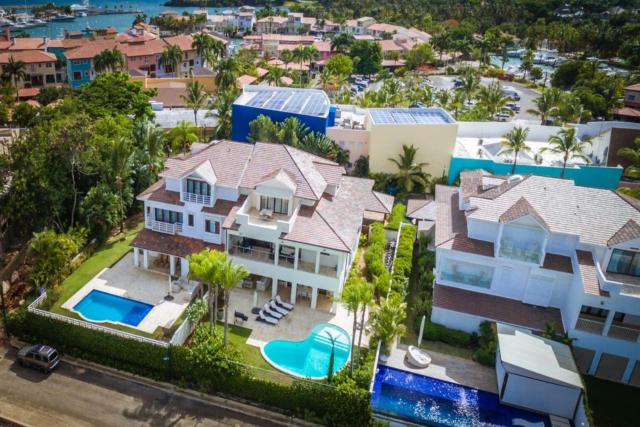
x=38, y=22
x=63, y=17
x=80, y=14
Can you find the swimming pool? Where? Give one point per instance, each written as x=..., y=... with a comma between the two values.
x=310, y=358
x=99, y=306
x=431, y=402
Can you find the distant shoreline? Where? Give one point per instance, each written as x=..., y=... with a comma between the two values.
x=219, y=3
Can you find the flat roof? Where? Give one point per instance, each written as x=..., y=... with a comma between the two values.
x=403, y=116
x=308, y=102
x=523, y=353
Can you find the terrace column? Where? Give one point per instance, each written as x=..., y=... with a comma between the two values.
x=294, y=292
x=172, y=265
x=136, y=257
x=317, y=270
x=276, y=253
x=274, y=287
x=145, y=259
x=296, y=254
x=594, y=363
x=626, y=376
x=314, y=297
x=184, y=267
x=608, y=322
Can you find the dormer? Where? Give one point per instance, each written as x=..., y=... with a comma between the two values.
x=622, y=258
x=523, y=234
x=198, y=186
x=274, y=194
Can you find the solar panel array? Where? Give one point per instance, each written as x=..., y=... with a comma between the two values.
x=291, y=101
x=384, y=116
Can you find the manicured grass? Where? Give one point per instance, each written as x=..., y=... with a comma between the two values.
x=612, y=404
x=251, y=355
x=439, y=347
x=105, y=256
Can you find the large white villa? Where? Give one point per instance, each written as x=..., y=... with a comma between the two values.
x=291, y=218
x=531, y=250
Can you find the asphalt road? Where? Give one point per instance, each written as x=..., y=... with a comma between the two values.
x=72, y=396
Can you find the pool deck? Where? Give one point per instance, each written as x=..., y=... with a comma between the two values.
x=148, y=286
x=448, y=368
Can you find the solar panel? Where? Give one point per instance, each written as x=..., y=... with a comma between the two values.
x=259, y=99
x=296, y=102
x=278, y=100
x=408, y=116
x=317, y=105
x=402, y=117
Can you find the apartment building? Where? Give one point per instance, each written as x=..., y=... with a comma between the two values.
x=241, y=21
x=534, y=251
x=630, y=111
x=40, y=67
x=190, y=58
x=288, y=216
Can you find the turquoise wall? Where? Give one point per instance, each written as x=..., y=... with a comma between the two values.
x=586, y=176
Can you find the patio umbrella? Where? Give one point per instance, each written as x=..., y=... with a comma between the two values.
x=255, y=298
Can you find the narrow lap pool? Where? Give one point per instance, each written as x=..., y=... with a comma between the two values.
x=431, y=402
x=100, y=306
x=310, y=357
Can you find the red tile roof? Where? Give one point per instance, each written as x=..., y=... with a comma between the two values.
x=522, y=208
x=589, y=274
x=22, y=43
x=185, y=42
x=28, y=56
x=496, y=308
x=28, y=92
x=169, y=244
x=151, y=47
x=629, y=231
x=224, y=207
x=89, y=50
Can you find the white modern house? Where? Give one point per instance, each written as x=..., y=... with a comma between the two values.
x=289, y=217
x=531, y=251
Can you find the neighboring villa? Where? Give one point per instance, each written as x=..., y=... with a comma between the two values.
x=286, y=215
x=534, y=251
x=630, y=111
x=40, y=67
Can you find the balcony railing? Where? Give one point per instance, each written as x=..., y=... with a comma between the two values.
x=590, y=326
x=521, y=254
x=164, y=227
x=196, y=198
x=252, y=253
x=467, y=279
x=327, y=270
x=286, y=261
x=624, y=333
x=306, y=266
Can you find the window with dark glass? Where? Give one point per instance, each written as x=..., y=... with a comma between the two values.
x=198, y=187
x=594, y=311
x=276, y=204
x=190, y=219
x=624, y=262
x=212, y=226
x=165, y=215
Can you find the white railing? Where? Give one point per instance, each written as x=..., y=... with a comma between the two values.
x=588, y=325
x=164, y=227
x=624, y=333
x=200, y=199
x=33, y=308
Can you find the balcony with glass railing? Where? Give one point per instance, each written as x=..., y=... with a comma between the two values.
x=466, y=273
x=200, y=199
x=252, y=249
x=522, y=243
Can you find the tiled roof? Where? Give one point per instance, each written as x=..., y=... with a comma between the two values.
x=28, y=92
x=558, y=263
x=633, y=87
x=627, y=111
x=185, y=42
x=89, y=50
x=629, y=231
x=386, y=202
x=332, y=174
x=22, y=43
x=151, y=47
x=519, y=209
x=589, y=274
x=311, y=228
x=496, y=308
x=224, y=207
x=28, y=56
x=171, y=97
x=169, y=244
x=421, y=209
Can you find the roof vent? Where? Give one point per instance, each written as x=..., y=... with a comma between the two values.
x=514, y=178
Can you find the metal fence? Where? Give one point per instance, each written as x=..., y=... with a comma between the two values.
x=34, y=308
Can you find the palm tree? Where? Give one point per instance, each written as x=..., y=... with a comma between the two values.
x=202, y=44
x=121, y=156
x=569, y=145
x=387, y=321
x=470, y=84
x=182, y=136
x=149, y=142
x=108, y=60
x=139, y=18
x=633, y=155
x=227, y=71
x=15, y=70
x=351, y=299
x=171, y=58
x=223, y=109
x=206, y=267
x=342, y=42
x=298, y=55
x=311, y=53
x=274, y=76
x=410, y=175
x=195, y=98
x=365, y=295
x=230, y=276
x=515, y=142
x=493, y=99
x=292, y=131
x=286, y=56
x=546, y=104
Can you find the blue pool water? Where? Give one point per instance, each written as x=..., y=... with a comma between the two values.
x=101, y=306
x=431, y=402
x=310, y=357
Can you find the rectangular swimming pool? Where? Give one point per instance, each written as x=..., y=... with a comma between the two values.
x=99, y=306
x=431, y=402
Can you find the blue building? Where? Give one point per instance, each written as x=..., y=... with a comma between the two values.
x=310, y=106
x=80, y=68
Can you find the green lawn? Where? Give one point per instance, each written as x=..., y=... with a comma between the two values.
x=251, y=355
x=612, y=404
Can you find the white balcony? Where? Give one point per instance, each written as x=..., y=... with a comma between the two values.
x=624, y=332
x=164, y=227
x=590, y=325
x=199, y=199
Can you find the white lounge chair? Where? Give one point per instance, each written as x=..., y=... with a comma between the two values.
x=277, y=308
x=271, y=312
x=283, y=304
x=417, y=357
x=264, y=317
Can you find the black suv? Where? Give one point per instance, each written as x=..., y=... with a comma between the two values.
x=39, y=356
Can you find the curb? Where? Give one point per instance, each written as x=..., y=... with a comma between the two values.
x=10, y=422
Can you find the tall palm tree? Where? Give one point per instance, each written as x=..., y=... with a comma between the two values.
x=121, y=160
x=108, y=60
x=470, y=84
x=546, y=104
x=222, y=109
x=298, y=55
x=311, y=53
x=15, y=70
x=227, y=72
x=148, y=139
x=139, y=18
x=172, y=57
x=341, y=42
x=182, y=136
x=206, y=267
x=195, y=98
x=569, y=145
x=410, y=176
x=286, y=56
x=230, y=276
x=515, y=142
x=351, y=300
x=387, y=321
x=202, y=44
x=274, y=76
x=493, y=99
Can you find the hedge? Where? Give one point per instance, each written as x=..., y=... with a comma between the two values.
x=374, y=255
x=344, y=405
x=436, y=332
x=404, y=253
x=397, y=216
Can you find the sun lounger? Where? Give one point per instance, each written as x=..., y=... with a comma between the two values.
x=277, y=308
x=271, y=312
x=238, y=316
x=417, y=357
x=283, y=304
x=264, y=317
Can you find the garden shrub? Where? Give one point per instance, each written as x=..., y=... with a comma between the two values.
x=374, y=255
x=397, y=216
x=436, y=332
x=404, y=253
x=487, y=344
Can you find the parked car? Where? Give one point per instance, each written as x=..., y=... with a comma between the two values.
x=503, y=117
x=513, y=107
x=39, y=356
x=511, y=92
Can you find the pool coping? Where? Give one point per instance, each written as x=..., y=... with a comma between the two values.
x=293, y=374
x=113, y=322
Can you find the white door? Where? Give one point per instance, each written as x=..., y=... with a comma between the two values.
x=539, y=290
